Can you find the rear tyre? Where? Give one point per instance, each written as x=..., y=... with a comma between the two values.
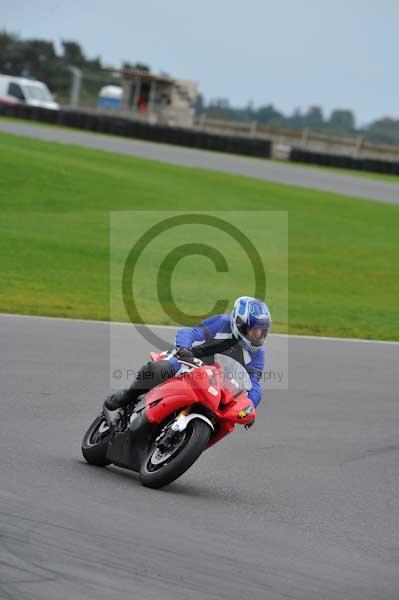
x=95, y=443
x=157, y=472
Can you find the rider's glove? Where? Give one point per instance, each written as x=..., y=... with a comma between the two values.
x=185, y=355
x=249, y=425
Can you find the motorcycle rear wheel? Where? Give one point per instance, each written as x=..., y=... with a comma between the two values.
x=95, y=443
x=156, y=473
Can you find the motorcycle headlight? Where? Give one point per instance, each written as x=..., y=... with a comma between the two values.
x=245, y=412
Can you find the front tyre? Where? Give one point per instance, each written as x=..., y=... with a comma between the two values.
x=95, y=443
x=161, y=468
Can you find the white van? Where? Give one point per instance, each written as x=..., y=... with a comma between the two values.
x=18, y=90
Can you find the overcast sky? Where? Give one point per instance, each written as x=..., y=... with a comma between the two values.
x=337, y=54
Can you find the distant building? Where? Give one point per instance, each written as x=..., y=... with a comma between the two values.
x=156, y=98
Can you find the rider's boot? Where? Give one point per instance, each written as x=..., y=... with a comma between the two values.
x=150, y=375
x=113, y=405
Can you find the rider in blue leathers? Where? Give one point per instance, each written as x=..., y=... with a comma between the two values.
x=210, y=335
x=240, y=335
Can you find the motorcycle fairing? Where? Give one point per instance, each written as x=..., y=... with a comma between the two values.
x=175, y=394
x=129, y=448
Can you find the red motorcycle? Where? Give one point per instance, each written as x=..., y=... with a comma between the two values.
x=168, y=429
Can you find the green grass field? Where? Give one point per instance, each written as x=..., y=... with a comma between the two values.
x=55, y=200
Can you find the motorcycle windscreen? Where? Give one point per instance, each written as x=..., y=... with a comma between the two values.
x=234, y=377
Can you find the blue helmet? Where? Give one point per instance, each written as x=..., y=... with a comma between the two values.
x=250, y=321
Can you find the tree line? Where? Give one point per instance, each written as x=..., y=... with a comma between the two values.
x=38, y=59
x=340, y=122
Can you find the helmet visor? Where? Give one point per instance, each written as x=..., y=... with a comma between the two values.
x=256, y=335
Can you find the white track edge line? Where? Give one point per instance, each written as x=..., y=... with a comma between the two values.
x=154, y=326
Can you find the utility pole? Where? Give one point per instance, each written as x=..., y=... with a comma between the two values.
x=75, y=86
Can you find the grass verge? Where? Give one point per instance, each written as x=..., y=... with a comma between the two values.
x=55, y=202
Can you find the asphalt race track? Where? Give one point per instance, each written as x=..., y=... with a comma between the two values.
x=304, y=506
x=349, y=185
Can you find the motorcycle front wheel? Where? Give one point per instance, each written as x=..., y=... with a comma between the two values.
x=160, y=468
x=95, y=443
